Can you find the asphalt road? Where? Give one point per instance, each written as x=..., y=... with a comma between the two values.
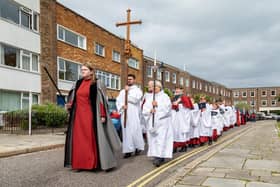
x=46, y=169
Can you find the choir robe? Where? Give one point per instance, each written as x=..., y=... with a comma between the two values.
x=181, y=122
x=238, y=117
x=232, y=116
x=216, y=123
x=160, y=137
x=194, y=127
x=132, y=134
x=226, y=115
x=205, y=127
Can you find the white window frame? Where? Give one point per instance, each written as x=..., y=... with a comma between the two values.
x=119, y=56
x=64, y=70
x=97, y=48
x=187, y=82
x=243, y=94
x=236, y=94
x=108, y=77
x=265, y=93
x=149, y=71
x=84, y=46
x=167, y=76
x=174, y=78
x=193, y=84
x=275, y=103
x=181, y=82
x=265, y=102
x=251, y=94
x=252, y=103
x=274, y=92
x=135, y=62
x=159, y=76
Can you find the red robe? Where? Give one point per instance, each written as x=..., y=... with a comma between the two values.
x=238, y=122
x=84, y=155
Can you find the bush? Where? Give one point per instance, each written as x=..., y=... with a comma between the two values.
x=48, y=115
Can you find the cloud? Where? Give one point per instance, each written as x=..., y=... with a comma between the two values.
x=235, y=43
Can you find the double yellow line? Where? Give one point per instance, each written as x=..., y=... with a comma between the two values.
x=156, y=172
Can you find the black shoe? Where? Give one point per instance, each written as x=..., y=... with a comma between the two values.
x=183, y=149
x=127, y=155
x=158, y=161
x=137, y=152
x=210, y=142
x=174, y=150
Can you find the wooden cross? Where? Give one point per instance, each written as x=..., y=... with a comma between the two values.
x=127, y=40
x=127, y=52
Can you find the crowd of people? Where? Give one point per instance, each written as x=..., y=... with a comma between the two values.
x=166, y=124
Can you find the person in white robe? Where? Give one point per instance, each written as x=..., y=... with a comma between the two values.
x=215, y=121
x=194, y=127
x=159, y=134
x=132, y=135
x=205, y=128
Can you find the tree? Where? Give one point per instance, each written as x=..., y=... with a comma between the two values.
x=207, y=97
x=242, y=106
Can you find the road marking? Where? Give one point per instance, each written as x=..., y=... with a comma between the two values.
x=156, y=172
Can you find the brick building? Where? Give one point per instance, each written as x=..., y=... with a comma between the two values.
x=259, y=98
x=69, y=40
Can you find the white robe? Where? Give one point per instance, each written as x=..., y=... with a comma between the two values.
x=226, y=115
x=205, y=128
x=195, y=116
x=160, y=137
x=181, y=124
x=132, y=134
x=216, y=121
x=233, y=117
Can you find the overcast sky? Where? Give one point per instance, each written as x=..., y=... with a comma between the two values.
x=232, y=42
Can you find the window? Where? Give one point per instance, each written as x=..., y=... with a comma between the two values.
x=187, y=83
x=26, y=17
x=17, y=58
x=110, y=80
x=67, y=70
x=159, y=75
x=263, y=93
x=116, y=56
x=273, y=102
x=264, y=102
x=71, y=37
x=236, y=94
x=273, y=93
x=181, y=81
x=132, y=62
x=11, y=100
x=217, y=90
x=206, y=88
x=19, y=15
x=99, y=49
x=252, y=103
x=149, y=71
x=174, y=78
x=200, y=86
x=193, y=84
x=9, y=10
x=167, y=76
x=244, y=94
x=10, y=56
x=252, y=93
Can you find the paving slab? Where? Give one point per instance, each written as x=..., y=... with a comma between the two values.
x=260, y=173
x=261, y=184
x=224, y=162
x=269, y=165
x=221, y=182
x=193, y=180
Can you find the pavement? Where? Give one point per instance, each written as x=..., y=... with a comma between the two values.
x=252, y=160
x=11, y=144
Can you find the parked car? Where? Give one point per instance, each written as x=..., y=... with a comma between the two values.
x=115, y=116
x=260, y=116
x=268, y=116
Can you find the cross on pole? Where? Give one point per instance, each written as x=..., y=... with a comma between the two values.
x=127, y=52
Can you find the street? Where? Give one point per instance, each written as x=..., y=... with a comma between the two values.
x=46, y=169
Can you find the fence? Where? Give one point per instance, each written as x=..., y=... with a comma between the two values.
x=17, y=122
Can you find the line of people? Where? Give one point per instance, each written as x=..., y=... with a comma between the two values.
x=168, y=125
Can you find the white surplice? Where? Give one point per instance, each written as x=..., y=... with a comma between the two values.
x=160, y=136
x=132, y=134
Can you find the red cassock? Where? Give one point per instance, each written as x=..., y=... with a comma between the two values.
x=238, y=122
x=84, y=155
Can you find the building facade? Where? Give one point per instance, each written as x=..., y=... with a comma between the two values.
x=20, y=50
x=71, y=40
x=259, y=98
